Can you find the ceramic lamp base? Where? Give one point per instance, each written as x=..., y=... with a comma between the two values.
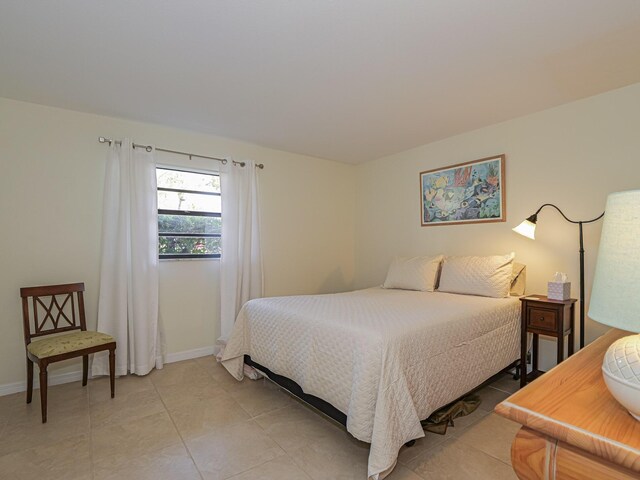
x=621, y=372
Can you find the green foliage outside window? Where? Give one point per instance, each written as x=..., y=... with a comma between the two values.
x=190, y=233
x=189, y=245
x=189, y=224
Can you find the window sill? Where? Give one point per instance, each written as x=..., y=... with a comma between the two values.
x=190, y=259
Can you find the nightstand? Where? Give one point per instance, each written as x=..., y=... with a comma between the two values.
x=541, y=316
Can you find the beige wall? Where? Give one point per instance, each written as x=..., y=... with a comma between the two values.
x=573, y=156
x=51, y=184
x=319, y=217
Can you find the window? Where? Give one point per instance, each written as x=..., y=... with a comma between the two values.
x=189, y=221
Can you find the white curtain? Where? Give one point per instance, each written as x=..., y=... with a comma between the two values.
x=128, y=299
x=241, y=263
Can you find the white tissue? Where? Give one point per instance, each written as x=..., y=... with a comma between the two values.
x=559, y=288
x=560, y=277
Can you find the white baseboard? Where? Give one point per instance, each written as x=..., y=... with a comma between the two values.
x=9, y=388
x=189, y=354
x=60, y=378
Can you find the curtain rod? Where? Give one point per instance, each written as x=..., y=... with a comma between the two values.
x=148, y=148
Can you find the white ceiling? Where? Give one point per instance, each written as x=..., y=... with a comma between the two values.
x=349, y=80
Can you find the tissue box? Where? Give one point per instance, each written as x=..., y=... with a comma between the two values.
x=559, y=290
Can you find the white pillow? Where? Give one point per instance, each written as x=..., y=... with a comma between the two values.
x=415, y=273
x=485, y=276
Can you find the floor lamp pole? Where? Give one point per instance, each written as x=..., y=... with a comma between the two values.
x=581, y=286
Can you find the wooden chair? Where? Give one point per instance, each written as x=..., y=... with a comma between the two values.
x=60, y=318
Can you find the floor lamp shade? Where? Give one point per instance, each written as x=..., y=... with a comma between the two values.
x=527, y=228
x=615, y=299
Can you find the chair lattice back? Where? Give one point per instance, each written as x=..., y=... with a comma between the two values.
x=53, y=309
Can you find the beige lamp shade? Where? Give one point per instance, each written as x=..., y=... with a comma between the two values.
x=615, y=297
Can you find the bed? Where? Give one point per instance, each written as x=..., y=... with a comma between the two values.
x=383, y=358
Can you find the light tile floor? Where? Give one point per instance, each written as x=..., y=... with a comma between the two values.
x=192, y=420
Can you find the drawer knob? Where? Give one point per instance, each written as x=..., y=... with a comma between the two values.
x=542, y=319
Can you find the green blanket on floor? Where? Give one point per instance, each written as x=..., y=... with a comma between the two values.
x=441, y=419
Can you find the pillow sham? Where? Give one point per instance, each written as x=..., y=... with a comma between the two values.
x=413, y=273
x=484, y=276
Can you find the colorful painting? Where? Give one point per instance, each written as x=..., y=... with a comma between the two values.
x=470, y=192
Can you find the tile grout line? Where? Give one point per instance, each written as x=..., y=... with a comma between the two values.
x=501, y=390
x=256, y=466
x=294, y=463
x=491, y=456
x=405, y=463
x=93, y=470
x=252, y=420
x=251, y=416
x=411, y=470
x=184, y=444
x=486, y=453
x=277, y=443
x=286, y=454
x=471, y=447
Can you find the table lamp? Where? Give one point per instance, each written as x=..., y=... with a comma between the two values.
x=615, y=297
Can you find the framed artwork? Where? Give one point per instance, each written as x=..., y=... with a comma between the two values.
x=471, y=192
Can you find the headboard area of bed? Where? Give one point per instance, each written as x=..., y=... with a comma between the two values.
x=518, y=279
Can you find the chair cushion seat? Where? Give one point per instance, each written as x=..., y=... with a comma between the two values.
x=70, y=342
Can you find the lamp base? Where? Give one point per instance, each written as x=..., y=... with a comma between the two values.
x=621, y=372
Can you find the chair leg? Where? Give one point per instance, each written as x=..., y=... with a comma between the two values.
x=85, y=369
x=112, y=371
x=43, y=391
x=29, y=380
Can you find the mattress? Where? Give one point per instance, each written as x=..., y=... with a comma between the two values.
x=386, y=358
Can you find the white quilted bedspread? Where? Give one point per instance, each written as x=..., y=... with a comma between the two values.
x=386, y=358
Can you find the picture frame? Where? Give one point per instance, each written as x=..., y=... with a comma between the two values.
x=465, y=193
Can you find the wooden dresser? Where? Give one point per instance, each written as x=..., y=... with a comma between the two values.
x=572, y=427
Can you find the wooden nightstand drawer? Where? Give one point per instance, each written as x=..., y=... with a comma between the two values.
x=543, y=319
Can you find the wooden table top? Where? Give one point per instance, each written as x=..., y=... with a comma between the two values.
x=545, y=299
x=571, y=402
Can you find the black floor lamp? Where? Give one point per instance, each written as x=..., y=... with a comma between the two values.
x=528, y=228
